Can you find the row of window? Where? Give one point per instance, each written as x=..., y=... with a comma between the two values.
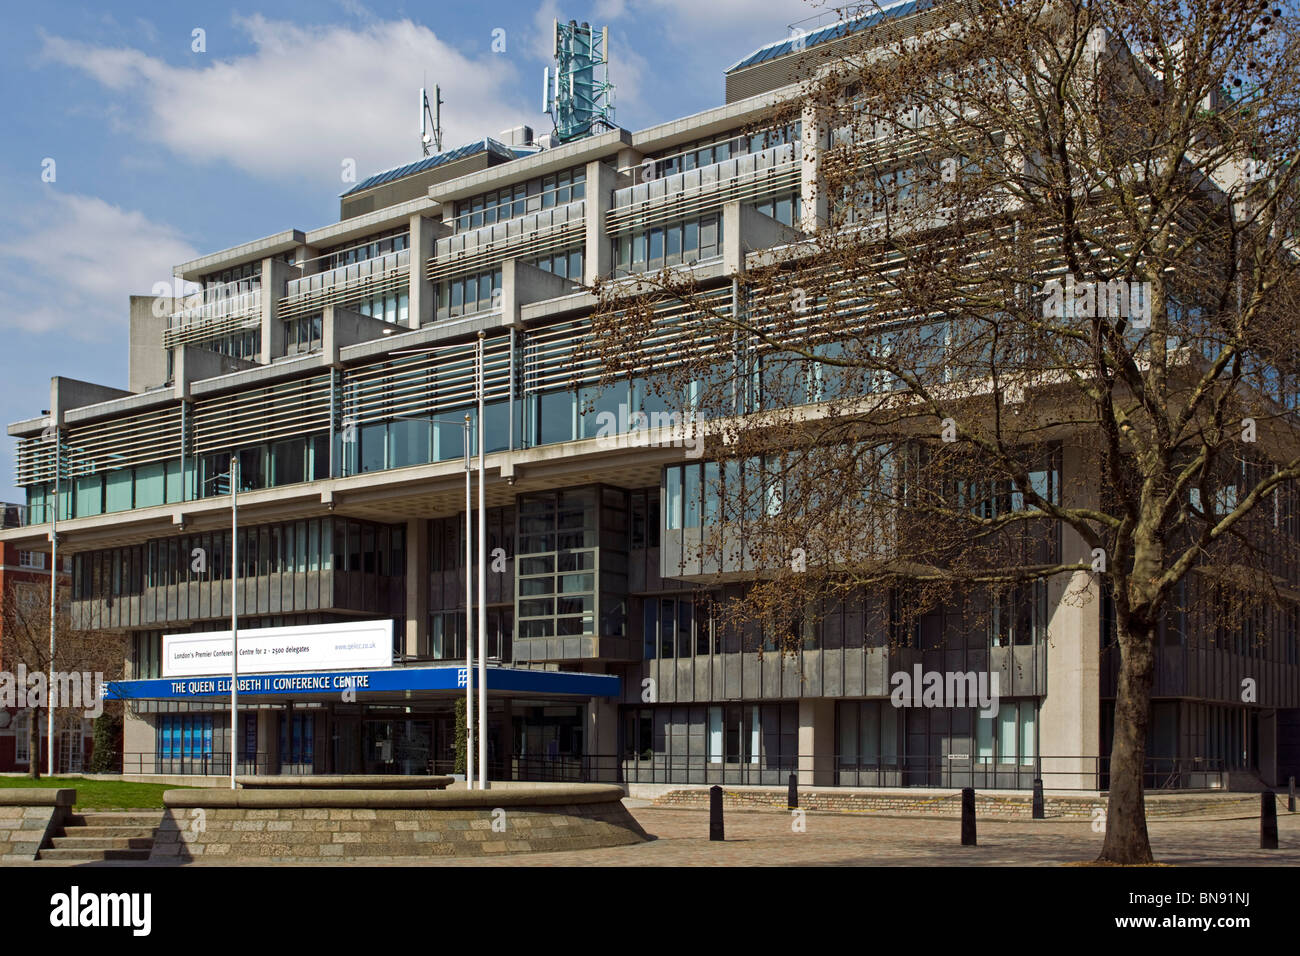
x=304, y=335
x=707, y=152
x=249, y=270
x=567, y=263
x=520, y=199
x=317, y=544
x=875, y=733
x=556, y=569
x=370, y=248
x=242, y=345
x=468, y=294
x=651, y=249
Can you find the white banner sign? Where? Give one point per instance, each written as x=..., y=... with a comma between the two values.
x=352, y=645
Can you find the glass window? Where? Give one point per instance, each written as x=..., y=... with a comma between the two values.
x=1007, y=720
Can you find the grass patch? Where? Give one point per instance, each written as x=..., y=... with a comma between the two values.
x=102, y=794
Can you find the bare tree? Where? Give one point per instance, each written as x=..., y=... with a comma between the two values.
x=1039, y=228
x=27, y=641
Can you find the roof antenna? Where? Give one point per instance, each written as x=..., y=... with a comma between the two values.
x=433, y=116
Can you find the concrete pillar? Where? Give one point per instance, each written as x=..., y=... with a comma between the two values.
x=275, y=273
x=599, y=257
x=1069, y=720
x=417, y=584
x=601, y=741
x=816, y=742
x=139, y=740
x=424, y=235
x=268, y=741
x=813, y=211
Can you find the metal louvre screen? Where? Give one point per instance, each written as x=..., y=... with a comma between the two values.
x=264, y=414
x=746, y=178
x=530, y=236
x=104, y=446
x=419, y=385
x=565, y=355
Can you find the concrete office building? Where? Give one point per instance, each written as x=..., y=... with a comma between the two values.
x=338, y=363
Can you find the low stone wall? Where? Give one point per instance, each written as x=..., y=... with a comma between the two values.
x=343, y=781
x=29, y=817
x=305, y=825
x=948, y=803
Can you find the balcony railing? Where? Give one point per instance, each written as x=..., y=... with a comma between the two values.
x=380, y=275
x=216, y=311
x=536, y=234
x=747, y=178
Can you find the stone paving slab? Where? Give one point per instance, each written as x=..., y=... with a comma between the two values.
x=759, y=838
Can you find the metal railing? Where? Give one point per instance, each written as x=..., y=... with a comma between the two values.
x=1072, y=773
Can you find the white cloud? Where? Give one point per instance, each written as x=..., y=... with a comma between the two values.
x=307, y=97
x=70, y=263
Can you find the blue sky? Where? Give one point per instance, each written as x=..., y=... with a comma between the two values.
x=161, y=152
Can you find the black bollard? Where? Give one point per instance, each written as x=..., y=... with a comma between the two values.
x=715, y=813
x=1290, y=797
x=1267, y=821
x=968, y=816
x=1040, y=810
x=792, y=798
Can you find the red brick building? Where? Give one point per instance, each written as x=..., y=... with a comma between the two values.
x=29, y=571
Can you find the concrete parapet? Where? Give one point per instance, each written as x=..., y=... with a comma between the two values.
x=29, y=816
x=342, y=781
x=304, y=825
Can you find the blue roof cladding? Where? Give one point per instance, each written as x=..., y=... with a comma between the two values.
x=833, y=32
x=486, y=144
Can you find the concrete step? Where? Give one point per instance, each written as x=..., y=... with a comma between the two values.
x=84, y=854
x=116, y=818
x=82, y=842
x=109, y=831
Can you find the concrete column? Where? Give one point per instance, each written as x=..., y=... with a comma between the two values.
x=813, y=212
x=816, y=742
x=602, y=738
x=275, y=273
x=268, y=741
x=424, y=235
x=599, y=258
x=1069, y=720
x=138, y=741
x=417, y=583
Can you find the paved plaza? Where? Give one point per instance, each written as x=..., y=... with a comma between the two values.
x=768, y=838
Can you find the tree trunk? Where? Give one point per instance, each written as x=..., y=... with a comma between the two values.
x=34, y=745
x=1126, y=821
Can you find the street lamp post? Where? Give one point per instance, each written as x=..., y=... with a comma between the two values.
x=469, y=610
x=482, y=582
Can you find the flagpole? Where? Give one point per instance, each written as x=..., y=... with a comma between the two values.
x=234, y=613
x=54, y=583
x=482, y=582
x=469, y=611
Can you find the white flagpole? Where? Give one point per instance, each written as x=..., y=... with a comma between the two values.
x=54, y=583
x=469, y=611
x=482, y=582
x=234, y=614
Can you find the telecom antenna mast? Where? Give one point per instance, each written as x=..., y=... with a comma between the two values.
x=433, y=116
x=576, y=91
